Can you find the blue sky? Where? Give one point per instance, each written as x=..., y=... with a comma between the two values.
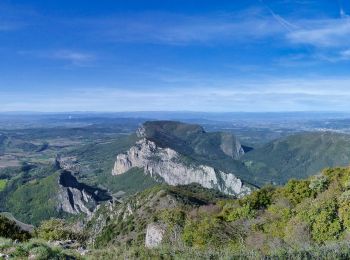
x=252, y=55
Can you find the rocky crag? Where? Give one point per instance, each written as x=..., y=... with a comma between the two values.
x=75, y=197
x=174, y=168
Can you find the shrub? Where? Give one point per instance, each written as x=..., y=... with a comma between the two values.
x=296, y=190
x=344, y=209
x=276, y=218
x=237, y=213
x=58, y=229
x=297, y=234
x=173, y=217
x=318, y=183
x=259, y=199
x=9, y=229
x=322, y=216
x=326, y=227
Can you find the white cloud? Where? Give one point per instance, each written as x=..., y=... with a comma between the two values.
x=293, y=94
x=74, y=57
x=328, y=37
x=345, y=55
x=177, y=29
x=323, y=33
x=71, y=57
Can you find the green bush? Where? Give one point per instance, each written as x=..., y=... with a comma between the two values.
x=297, y=190
x=58, y=229
x=9, y=229
x=173, y=217
x=344, y=209
x=318, y=183
x=260, y=199
x=238, y=212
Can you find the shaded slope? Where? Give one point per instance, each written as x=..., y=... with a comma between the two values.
x=297, y=156
x=192, y=140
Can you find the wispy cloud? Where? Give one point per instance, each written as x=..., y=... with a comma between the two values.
x=7, y=26
x=323, y=33
x=329, y=37
x=70, y=57
x=177, y=29
x=273, y=95
x=15, y=17
x=345, y=54
x=76, y=58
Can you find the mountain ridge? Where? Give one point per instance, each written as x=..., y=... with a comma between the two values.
x=297, y=156
x=166, y=149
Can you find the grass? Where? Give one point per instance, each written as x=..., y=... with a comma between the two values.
x=35, y=249
x=331, y=251
x=2, y=184
x=44, y=250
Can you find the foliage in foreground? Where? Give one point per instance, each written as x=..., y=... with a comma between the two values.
x=301, y=215
x=9, y=229
x=59, y=229
x=330, y=251
x=303, y=219
x=35, y=249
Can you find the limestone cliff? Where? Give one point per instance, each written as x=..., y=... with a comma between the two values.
x=169, y=166
x=75, y=197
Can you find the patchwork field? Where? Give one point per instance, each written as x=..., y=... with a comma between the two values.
x=8, y=160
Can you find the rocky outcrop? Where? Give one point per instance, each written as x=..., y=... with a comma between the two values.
x=75, y=197
x=231, y=146
x=154, y=235
x=168, y=165
x=68, y=163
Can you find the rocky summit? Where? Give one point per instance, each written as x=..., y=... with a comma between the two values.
x=173, y=167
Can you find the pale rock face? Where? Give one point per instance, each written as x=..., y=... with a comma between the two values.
x=154, y=235
x=231, y=146
x=73, y=197
x=141, y=132
x=73, y=201
x=166, y=163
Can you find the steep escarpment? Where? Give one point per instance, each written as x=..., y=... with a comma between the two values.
x=44, y=192
x=169, y=166
x=75, y=197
